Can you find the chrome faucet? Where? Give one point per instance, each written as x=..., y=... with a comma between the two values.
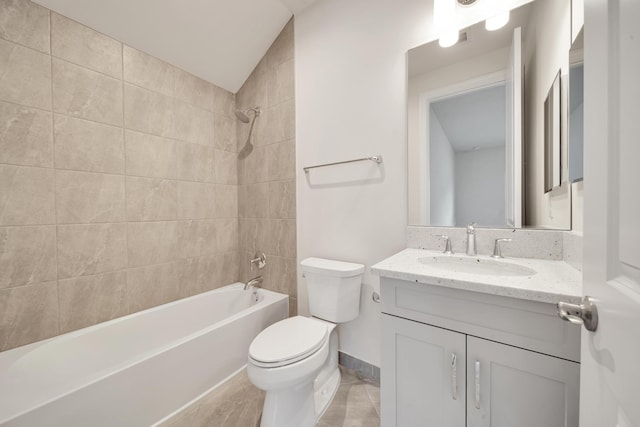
x=256, y=282
x=471, y=239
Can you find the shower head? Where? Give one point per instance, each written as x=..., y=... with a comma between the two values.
x=243, y=115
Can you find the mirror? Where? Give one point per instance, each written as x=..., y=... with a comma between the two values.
x=576, y=109
x=552, y=146
x=476, y=123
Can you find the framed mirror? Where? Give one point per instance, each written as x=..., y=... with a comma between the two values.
x=476, y=145
x=552, y=142
x=576, y=109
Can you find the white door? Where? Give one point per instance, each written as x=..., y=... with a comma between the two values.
x=513, y=143
x=610, y=373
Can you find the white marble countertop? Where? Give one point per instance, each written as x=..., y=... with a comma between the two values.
x=553, y=281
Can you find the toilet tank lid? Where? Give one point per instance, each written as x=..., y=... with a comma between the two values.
x=331, y=267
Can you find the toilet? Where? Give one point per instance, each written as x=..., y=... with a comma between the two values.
x=296, y=360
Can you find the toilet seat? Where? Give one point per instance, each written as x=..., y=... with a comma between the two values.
x=288, y=341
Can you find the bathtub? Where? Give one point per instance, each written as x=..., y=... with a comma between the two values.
x=139, y=369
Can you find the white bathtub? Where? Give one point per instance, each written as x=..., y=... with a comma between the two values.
x=136, y=370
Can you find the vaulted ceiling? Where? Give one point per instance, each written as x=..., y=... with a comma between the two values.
x=218, y=40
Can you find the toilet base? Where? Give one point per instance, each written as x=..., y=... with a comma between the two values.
x=324, y=396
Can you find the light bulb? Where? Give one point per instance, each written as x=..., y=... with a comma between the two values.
x=449, y=38
x=497, y=22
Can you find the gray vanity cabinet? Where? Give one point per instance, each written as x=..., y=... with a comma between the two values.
x=454, y=358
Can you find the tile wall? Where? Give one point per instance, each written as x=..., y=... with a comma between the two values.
x=119, y=176
x=267, y=186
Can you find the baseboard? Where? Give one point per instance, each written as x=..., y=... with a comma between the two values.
x=362, y=369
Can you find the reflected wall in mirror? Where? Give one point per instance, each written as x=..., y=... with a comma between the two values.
x=552, y=146
x=453, y=180
x=576, y=109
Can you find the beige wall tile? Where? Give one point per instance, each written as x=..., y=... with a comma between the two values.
x=279, y=121
x=150, y=199
x=293, y=307
x=227, y=269
x=226, y=167
x=86, y=94
x=225, y=132
x=282, y=199
x=83, y=46
x=27, y=255
x=257, y=200
x=195, y=162
x=85, y=301
x=199, y=237
x=227, y=234
x=83, y=197
x=91, y=249
x=148, y=72
x=282, y=238
x=282, y=49
x=198, y=275
x=150, y=156
x=148, y=111
x=155, y=285
x=255, y=166
x=25, y=77
x=280, y=83
x=26, y=195
x=196, y=200
x=28, y=314
x=154, y=242
x=281, y=276
x=194, y=124
x=281, y=160
x=25, y=23
x=88, y=146
x=226, y=201
x=194, y=90
x=224, y=102
x=254, y=90
x=25, y=136
x=255, y=235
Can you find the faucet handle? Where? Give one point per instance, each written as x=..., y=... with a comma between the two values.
x=497, y=250
x=447, y=247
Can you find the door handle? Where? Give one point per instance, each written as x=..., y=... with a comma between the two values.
x=580, y=314
x=454, y=376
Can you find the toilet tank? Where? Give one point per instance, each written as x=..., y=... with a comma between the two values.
x=333, y=288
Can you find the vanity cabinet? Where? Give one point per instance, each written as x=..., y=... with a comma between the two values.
x=454, y=358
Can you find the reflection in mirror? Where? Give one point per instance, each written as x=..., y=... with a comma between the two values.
x=552, y=146
x=455, y=183
x=576, y=109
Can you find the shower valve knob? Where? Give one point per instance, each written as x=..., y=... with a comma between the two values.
x=259, y=260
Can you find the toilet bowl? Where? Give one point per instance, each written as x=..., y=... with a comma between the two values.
x=296, y=360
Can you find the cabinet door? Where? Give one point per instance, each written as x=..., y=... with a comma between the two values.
x=508, y=386
x=422, y=375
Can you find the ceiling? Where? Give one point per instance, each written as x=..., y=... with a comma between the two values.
x=474, y=119
x=220, y=41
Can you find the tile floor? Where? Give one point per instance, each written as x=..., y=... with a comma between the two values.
x=239, y=404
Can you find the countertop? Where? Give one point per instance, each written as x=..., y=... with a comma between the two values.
x=553, y=281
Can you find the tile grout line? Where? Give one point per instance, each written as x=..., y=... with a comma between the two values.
x=126, y=194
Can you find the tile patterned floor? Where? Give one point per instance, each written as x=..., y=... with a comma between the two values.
x=238, y=403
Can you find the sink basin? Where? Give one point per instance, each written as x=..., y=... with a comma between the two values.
x=474, y=265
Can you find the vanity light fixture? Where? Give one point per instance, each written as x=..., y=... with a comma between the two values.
x=444, y=19
x=497, y=22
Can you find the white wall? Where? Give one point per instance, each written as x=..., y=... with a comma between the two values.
x=473, y=68
x=480, y=181
x=546, y=50
x=442, y=174
x=351, y=95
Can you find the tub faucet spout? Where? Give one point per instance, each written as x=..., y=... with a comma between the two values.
x=256, y=282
